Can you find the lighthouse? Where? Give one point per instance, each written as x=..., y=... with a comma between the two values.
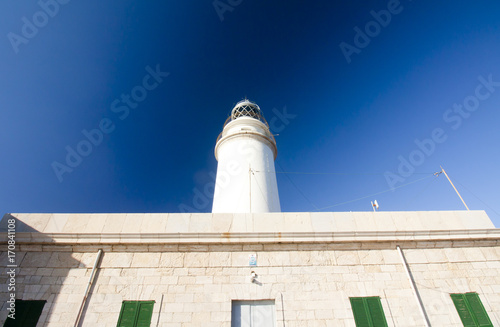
x=245, y=151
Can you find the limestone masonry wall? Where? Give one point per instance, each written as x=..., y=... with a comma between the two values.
x=193, y=285
x=194, y=265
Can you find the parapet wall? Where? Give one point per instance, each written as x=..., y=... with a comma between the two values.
x=283, y=222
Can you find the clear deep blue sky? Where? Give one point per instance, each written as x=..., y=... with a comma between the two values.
x=355, y=120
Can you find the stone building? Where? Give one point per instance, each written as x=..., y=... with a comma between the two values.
x=196, y=269
x=247, y=263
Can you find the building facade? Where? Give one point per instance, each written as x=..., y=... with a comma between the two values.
x=261, y=269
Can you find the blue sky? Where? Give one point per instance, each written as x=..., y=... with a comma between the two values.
x=416, y=89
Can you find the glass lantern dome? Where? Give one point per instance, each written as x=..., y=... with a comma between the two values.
x=246, y=108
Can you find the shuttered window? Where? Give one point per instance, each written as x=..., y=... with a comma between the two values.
x=27, y=314
x=136, y=314
x=471, y=310
x=368, y=311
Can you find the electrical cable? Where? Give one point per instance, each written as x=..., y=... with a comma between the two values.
x=477, y=197
x=296, y=187
x=420, y=193
x=304, y=173
x=368, y=196
x=260, y=189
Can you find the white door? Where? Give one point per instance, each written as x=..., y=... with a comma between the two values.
x=253, y=314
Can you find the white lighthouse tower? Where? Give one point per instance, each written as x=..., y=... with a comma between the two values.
x=245, y=151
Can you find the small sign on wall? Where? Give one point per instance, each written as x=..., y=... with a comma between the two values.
x=252, y=260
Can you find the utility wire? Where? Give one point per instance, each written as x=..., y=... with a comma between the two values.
x=420, y=193
x=338, y=204
x=368, y=196
x=304, y=173
x=260, y=189
x=296, y=187
x=477, y=197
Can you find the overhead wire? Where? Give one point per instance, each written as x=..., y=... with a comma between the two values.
x=477, y=197
x=420, y=193
x=297, y=188
x=260, y=189
x=368, y=196
x=346, y=202
x=364, y=197
x=324, y=173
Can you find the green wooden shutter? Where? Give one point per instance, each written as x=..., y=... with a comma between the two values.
x=471, y=310
x=127, y=314
x=376, y=311
x=145, y=313
x=27, y=313
x=34, y=310
x=477, y=310
x=361, y=315
x=463, y=310
x=368, y=312
x=136, y=314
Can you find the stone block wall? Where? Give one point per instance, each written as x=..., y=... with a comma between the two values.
x=194, y=284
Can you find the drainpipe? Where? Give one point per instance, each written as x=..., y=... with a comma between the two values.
x=89, y=285
x=413, y=287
